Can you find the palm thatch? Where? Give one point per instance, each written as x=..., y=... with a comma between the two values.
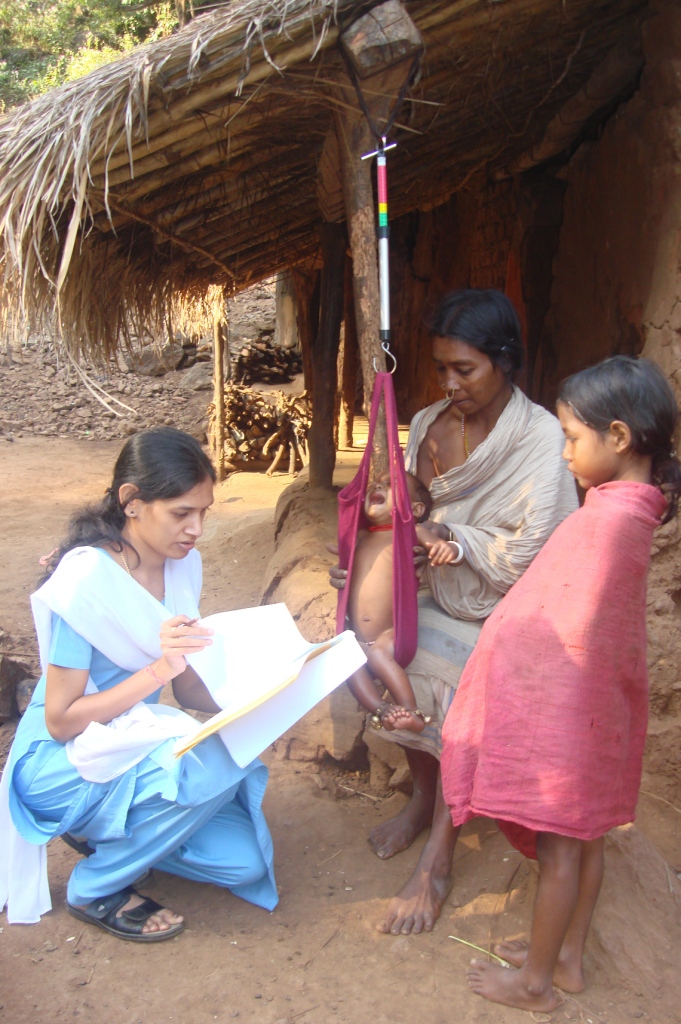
x=193, y=161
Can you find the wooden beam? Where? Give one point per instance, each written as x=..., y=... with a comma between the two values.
x=618, y=70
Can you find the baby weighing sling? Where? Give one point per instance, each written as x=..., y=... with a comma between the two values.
x=351, y=518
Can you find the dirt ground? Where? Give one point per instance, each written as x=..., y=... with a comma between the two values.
x=317, y=958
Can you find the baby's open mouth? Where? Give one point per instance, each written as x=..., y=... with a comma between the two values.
x=376, y=498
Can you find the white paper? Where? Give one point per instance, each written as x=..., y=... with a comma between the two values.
x=255, y=650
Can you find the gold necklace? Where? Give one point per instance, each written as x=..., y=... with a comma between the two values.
x=463, y=434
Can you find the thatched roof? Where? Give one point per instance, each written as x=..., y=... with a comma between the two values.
x=193, y=161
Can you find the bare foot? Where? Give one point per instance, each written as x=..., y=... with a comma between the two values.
x=509, y=987
x=397, y=834
x=397, y=717
x=417, y=906
x=567, y=975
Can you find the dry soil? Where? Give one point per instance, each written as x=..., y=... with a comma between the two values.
x=317, y=959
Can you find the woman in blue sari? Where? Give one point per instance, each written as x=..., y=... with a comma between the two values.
x=116, y=622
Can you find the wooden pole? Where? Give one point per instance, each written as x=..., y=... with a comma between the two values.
x=305, y=282
x=219, y=393
x=325, y=354
x=349, y=368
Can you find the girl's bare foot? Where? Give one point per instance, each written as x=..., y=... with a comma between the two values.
x=510, y=987
x=397, y=717
x=567, y=975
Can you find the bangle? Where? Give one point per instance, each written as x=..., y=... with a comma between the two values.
x=459, y=549
x=154, y=676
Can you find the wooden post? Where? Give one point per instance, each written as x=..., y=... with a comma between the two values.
x=380, y=46
x=285, y=329
x=226, y=352
x=305, y=282
x=324, y=356
x=349, y=368
x=219, y=393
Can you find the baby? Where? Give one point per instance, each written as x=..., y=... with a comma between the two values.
x=370, y=605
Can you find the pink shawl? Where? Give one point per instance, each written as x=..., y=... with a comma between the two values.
x=351, y=517
x=547, y=728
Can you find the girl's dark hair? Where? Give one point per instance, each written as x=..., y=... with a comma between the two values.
x=162, y=463
x=485, y=319
x=636, y=392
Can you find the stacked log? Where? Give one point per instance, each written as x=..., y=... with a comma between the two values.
x=263, y=428
x=261, y=361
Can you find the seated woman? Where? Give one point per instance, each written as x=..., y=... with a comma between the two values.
x=115, y=622
x=492, y=462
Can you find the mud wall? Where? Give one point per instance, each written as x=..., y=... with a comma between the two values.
x=617, y=288
x=494, y=235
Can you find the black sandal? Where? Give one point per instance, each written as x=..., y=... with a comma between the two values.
x=129, y=924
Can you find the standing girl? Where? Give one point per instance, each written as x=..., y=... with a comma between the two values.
x=547, y=728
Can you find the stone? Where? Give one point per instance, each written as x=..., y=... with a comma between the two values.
x=198, y=378
x=23, y=693
x=334, y=728
x=152, y=361
x=11, y=673
x=297, y=575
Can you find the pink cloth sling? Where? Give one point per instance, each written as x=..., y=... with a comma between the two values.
x=351, y=518
x=547, y=728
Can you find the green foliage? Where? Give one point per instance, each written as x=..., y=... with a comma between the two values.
x=44, y=43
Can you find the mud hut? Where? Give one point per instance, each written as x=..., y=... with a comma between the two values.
x=537, y=153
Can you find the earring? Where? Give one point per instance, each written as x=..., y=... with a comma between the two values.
x=131, y=514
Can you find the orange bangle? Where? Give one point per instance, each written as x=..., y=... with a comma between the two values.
x=154, y=676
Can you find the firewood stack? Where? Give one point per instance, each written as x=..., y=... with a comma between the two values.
x=263, y=428
x=261, y=361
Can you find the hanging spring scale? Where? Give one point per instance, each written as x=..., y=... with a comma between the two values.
x=383, y=235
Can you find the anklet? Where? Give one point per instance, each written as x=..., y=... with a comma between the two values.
x=376, y=718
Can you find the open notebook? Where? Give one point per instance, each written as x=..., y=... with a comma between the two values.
x=265, y=676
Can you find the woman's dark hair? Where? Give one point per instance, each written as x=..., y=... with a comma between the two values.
x=485, y=319
x=162, y=463
x=636, y=392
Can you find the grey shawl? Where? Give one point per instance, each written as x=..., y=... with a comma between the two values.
x=502, y=505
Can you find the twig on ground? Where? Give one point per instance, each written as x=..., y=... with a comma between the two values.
x=330, y=858
x=308, y=962
x=358, y=792
x=84, y=983
x=295, y=1016
x=662, y=800
x=480, y=949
